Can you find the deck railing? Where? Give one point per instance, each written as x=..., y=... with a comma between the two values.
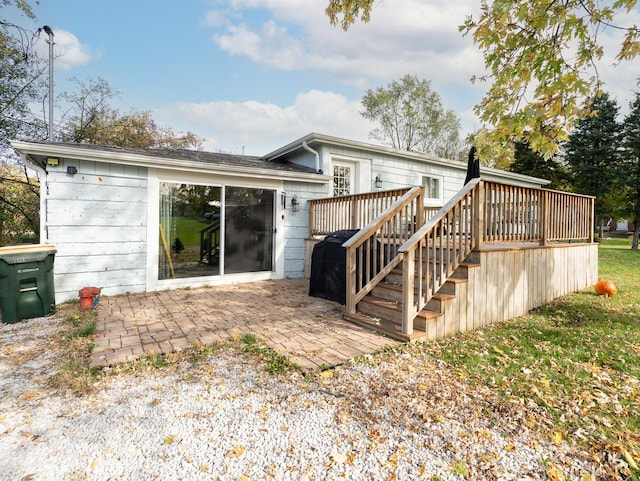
x=485, y=212
x=395, y=227
x=372, y=253
x=436, y=250
x=520, y=214
x=349, y=211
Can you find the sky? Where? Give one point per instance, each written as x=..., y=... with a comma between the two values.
x=249, y=76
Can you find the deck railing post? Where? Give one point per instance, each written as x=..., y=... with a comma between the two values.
x=545, y=217
x=354, y=213
x=351, y=280
x=408, y=281
x=591, y=220
x=312, y=207
x=478, y=217
x=420, y=210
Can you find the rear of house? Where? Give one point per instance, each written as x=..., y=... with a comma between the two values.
x=131, y=220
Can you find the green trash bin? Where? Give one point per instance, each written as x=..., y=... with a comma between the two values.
x=26, y=282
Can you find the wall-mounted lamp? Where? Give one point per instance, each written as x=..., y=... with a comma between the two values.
x=53, y=161
x=295, y=205
x=71, y=170
x=378, y=183
x=283, y=200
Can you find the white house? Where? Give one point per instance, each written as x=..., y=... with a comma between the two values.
x=134, y=220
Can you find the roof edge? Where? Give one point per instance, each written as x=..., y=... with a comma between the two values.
x=27, y=149
x=420, y=156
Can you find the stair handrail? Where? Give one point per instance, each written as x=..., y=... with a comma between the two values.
x=454, y=230
x=367, y=261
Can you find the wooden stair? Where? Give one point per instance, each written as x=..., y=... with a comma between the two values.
x=381, y=310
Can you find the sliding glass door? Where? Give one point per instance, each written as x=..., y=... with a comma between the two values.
x=212, y=230
x=248, y=236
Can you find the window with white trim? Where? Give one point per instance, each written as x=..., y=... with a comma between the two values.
x=342, y=179
x=432, y=185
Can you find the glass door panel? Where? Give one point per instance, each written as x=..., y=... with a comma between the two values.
x=249, y=230
x=190, y=231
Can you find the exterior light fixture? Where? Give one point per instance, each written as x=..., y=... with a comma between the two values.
x=378, y=182
x=53, y=161
x=72, y=170
x=295, y=205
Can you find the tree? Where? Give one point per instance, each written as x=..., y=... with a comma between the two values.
x=593, y=158
x=540, y=57
x=411, y=117
x=529, y=162
x=21, y=84
x=21, y=81
x=631, y=165
x=90, y=119
x=19, y=204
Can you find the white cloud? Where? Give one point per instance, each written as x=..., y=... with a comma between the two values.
x=403, y=37
x=263, y=127
x=68, y=51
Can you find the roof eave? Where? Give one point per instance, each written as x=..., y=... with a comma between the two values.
x=419, y=156
x=28, y=150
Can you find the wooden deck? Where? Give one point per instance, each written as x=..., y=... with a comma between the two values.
x=497, y=284
x=494, y=252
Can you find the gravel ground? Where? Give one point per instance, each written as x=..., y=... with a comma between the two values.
x=392, y=416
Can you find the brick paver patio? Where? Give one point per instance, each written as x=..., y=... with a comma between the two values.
x=309, y=330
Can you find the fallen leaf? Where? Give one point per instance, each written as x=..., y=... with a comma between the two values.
x=557, y=437
x=236, y=451
x=338, y=458
x=553, y=474
x=630, y=461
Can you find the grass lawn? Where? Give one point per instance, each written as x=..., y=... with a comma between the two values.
x=188, y=230
x=578, y=359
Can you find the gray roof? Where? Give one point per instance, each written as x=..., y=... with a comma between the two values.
x=210, y=158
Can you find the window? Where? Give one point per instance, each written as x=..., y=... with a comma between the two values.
x=432, y=190
x=342, y=179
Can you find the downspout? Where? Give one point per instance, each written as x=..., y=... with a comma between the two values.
x=314, y=152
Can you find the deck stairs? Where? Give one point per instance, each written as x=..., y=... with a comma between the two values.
x=381, y=310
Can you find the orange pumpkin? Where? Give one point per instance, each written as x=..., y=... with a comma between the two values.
x=606, y=288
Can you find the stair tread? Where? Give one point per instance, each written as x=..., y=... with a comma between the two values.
x=392, y=329
x=470, y=264
x=443, y=297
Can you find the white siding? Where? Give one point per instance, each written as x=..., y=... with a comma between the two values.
x=397, y=172
x=97, y=221
x=297, y=225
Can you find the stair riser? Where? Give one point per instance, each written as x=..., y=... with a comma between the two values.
x=391, y=294
x=449, y=288
x=395, y=277
x=375, y=310
x=435, y=305
x=396, y=295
